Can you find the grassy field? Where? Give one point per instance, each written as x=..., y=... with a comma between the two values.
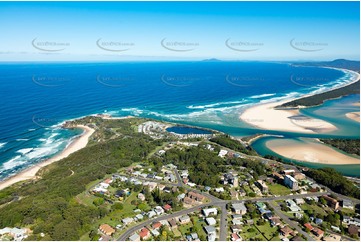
x=278, y=189
x=185, y=228
x=315, y=208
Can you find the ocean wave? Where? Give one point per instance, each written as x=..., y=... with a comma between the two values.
x=13, y=163
x=214, y=104
x=24, y=151
x=262, y=95
x=22, y=139
x=2, y=144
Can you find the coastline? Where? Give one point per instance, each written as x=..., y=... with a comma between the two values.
x=30, y=173
x=267, y=116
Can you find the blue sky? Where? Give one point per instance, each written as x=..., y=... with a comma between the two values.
x=189, y=30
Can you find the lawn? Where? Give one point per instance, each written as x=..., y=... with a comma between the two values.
x=267, y=230
x=185, y=228
x=278, y=189
x=247, y=236
x=198, y=225
x=315, y=208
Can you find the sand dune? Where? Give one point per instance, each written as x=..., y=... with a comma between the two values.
x=354, y=116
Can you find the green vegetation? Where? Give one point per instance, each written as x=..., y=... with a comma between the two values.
x=278, y=189
x=49, y=205
x=351, y=146
x=318, y=99
x=334, y=180
x=228, y=142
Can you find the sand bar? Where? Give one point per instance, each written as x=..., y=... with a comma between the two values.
x=30, y=173
x=311, y=151
x=265, y=116
x=354, y=116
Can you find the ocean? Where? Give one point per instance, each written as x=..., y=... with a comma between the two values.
x=36, y=98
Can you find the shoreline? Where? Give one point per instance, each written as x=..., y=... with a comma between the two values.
x=30, y=172
x=267, y=116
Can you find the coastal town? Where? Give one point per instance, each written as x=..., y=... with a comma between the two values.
x=162, y=202
x=255, y=198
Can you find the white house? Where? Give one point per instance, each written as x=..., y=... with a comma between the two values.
x=210, y=211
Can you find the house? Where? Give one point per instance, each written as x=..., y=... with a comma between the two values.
x=141, y=196
x=210, y=211
x=242, y=192
x=288, y=172
x=181, y=196
x=106, y=229
x=332, y=203
x=250, y=221
x=156, y=225
x=134, y=237
x=222, y=153
x=286, y=231
x=211, y=221
x=348, y=204
x=219, y=189
x=188, y=201
x=211, y=232
x=308, y=226
x=167, y=207
x=239, y=208
x=184, y=219
x=234, y=194
x=155, y=232
x=144, y=234
x=194, y=236
x=139, y=217
x=127, y=221
x=235, y=237
x=196, y=196
x=299, y=201
x=275, y=221
x=335, y=228
x=291, y=182
x=151, y=214
x=262, y=185
x=158, y=210
x=261, y=205
x=236, y=221
x=236, y=228
x=318, y=221
x=173, y=223
x=161, y=187
x=318, y=232
x=278, y=176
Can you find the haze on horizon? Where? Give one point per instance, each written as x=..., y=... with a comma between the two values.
x=116, y=31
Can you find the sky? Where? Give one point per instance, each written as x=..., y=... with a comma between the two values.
x=87, y=31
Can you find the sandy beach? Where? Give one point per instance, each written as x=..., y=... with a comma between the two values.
x=30, y=173
x=314, y=152
x=265, y=116
x=354, y=116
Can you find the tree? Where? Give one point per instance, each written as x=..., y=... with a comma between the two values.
x=98, y=201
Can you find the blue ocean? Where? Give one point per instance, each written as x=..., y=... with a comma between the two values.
x=36, y=98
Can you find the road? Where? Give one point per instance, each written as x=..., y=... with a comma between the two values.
x=223, y=225
x=277, y=210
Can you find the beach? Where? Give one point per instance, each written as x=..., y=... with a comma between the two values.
x=30, y=173
x=310, y=151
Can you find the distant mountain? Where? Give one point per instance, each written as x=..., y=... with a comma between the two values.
x=211, y=60
x=338, y=63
